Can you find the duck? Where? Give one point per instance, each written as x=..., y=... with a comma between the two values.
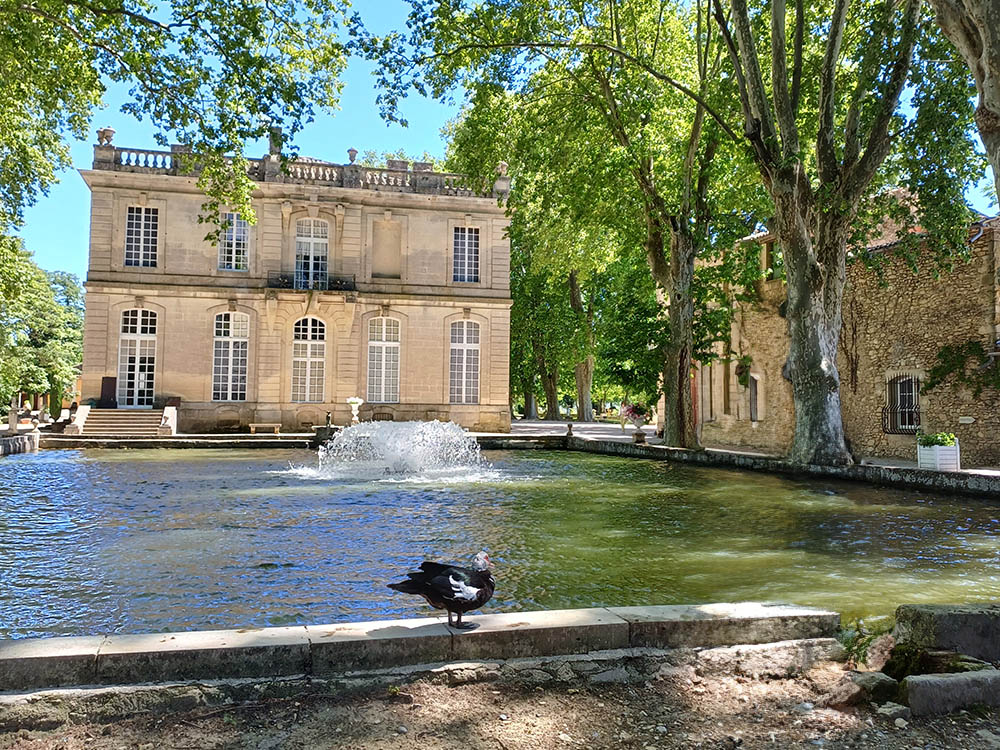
x=452, y=588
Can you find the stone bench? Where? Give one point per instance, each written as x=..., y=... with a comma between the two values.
x=275, y=426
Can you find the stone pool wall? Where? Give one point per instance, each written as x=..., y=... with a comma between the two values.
x=349, y=648
x=952, y=482
x=19, y=443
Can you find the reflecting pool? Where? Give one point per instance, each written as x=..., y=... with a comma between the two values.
x=150, y=540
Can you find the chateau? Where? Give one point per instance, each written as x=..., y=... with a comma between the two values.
x=391, y=285
x=896, y=322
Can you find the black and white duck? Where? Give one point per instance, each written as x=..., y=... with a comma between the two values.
x=451, y=587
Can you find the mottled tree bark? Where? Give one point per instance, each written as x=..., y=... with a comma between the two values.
x=816, y=270
x=583, y=371
x=530, y=404
x=674, y=272
x=973, y=26
x=550, y=384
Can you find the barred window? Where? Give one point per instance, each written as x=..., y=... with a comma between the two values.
x=141, y=228
x=311, y=253
x=383, y=360
x=464, y=363
x=308, y=360
x=753, y=385
x=901, y=414
x=230, y=357
x=465, y=254
x=233, y=243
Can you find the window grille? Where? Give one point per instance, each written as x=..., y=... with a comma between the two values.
x=464, y=363
x=308, y=360
x=234, y=243
x=465, y=254
x=139, y=322
x=230, y=357
x=311, y=253
x=901, y=415
x=141, y=228
x=383, y=360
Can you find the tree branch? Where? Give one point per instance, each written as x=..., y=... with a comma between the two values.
x=826, y=154
x=779, y=82
x=610, y=48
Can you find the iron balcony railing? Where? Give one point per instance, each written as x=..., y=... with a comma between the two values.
x=321, y=283
x=897, y=420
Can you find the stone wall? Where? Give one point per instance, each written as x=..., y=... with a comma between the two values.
x=895, y=321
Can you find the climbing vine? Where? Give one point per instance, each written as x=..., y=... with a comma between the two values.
x=969, y=364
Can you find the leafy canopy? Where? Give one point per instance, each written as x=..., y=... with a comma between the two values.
x=207, y=73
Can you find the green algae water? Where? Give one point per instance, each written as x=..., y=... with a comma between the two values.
x=153, y=540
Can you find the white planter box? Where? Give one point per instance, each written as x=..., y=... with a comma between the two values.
x=939, y=457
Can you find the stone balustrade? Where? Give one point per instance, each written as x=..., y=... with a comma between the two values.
x=399, y=177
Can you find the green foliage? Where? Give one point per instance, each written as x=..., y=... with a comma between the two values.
x=858, y=637
x=966, y=364
x=928, y=440
x=41, y=332
x=206, y=73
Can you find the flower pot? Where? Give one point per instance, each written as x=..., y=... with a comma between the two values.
x=939, y=457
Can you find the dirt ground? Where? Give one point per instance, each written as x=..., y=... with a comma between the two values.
x=726, y=712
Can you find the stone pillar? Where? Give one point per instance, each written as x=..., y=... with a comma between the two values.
x=12, y=421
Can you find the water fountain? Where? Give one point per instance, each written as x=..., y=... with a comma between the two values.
x=376, y=450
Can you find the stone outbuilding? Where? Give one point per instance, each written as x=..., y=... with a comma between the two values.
x=896, y=321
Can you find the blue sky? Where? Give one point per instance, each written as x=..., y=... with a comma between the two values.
x=56, y=228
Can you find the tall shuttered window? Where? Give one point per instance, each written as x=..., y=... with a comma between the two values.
x=142, y=226
x=383, y=360
x=465, y=254
x=234, y=243
x=464, y=363
x=308, y=360
x=229, y=360
x=312, y=238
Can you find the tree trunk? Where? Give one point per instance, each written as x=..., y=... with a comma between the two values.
x=584, y=372
x=816, y=274
x=550, y=383
x=530, y=405
x=972, y=26
x=675, y=277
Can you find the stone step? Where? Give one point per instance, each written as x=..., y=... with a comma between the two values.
x=972, y=629
x=343, y=647
x=943, y=693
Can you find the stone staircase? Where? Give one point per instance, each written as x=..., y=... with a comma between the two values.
x=123, y=423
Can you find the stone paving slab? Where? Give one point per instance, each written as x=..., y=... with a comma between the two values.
x=723, y=624
x=250, y=652
x=48, y=662
x=517, y=634
x=942, y=693
x=369, y=645
x=352, y=647
x=971, y=629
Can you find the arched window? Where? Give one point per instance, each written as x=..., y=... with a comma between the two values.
x=229, y=356
x=311, y=252
x=308, y=360
x=137, y=358
x=464, y=366
x=383, y=360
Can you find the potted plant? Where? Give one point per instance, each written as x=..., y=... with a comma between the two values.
x=938, y=451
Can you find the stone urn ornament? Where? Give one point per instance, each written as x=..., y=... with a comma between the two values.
x=637, y=414
x=355, y=403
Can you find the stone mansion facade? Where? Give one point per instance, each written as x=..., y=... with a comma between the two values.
x=387, y=284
